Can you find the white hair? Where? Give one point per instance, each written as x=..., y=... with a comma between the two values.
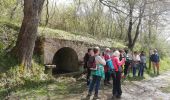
x=116, y=53
x=107, y=49
x=97, y=48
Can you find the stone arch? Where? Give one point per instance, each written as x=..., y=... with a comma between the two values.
x=66, y=60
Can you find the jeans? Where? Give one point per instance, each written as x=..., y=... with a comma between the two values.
x=107, y=76
x=117, y=84
x=141, y=69
x=95, y=82
x=135, y=66
x=126, y=67
x=88, y=76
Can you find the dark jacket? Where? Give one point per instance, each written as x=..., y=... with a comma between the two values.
x=86, y=58
x=155, y=57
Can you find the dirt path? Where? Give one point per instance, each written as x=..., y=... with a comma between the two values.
x=156, y=88
x=137, y=90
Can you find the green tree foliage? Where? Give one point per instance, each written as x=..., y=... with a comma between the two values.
x=11, y=10
x=86, y=17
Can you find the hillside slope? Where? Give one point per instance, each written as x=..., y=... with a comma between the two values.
x=9, y=31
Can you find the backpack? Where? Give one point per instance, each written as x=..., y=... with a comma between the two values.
x=91, y=63
x=109, y=64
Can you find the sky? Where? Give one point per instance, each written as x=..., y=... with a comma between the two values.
x=58, y=2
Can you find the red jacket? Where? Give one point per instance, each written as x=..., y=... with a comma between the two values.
x=117, y=63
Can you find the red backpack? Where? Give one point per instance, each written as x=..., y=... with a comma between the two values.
x=91, y=64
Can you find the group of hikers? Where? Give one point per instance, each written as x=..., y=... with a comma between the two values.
x=111, y=64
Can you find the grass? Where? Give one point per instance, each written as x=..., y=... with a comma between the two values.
x=60, y=34
x=51, y=33
x=33, y=83
x=29, y=87
x=44, y=88
x=10, y=25
x=166, y=89
x=13, y=77
x=164, y=64
x=6, y=61
x=164, y=67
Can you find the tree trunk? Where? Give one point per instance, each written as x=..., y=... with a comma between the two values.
x=132, y=43
x=130, y=28
x=150, y=32
x=28, y=32
x=137, y=33
x=47, y=13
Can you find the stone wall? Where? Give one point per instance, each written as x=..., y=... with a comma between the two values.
x=52, y=45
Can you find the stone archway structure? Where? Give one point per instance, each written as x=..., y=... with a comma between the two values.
x=65, y=54
x=66, y=60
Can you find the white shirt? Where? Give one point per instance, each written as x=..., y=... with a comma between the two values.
x=136, y=58
x=100, y=60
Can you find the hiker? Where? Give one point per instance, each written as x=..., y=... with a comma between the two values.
x=106, y=67
x=128, y=61
x=120, y=58
x=86, y=67
x=155, y=61
x=136, y=62
x=142, y=64
x=117, y=91
x=97, y=73
x=121, y=54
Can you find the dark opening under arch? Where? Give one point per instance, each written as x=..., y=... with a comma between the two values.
x=66, y=60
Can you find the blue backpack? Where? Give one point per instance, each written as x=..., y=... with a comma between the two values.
x=109, y=63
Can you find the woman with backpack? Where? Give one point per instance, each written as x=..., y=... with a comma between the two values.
x=97, y=73
x=106, y=67
x=117, y=91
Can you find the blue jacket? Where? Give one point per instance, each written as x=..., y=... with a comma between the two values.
x=155, y=58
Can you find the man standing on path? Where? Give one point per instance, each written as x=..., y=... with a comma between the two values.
x=155, y=61
x=136, y=61
x=128, y=61
x=142, y=64
x=86, y=59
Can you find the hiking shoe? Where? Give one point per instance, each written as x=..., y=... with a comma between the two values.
x=118, y=96
x=154, y=72
x=88, y=96
x=96, y=97
x=123, y=77
x=108, y=83
x=113, y=97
